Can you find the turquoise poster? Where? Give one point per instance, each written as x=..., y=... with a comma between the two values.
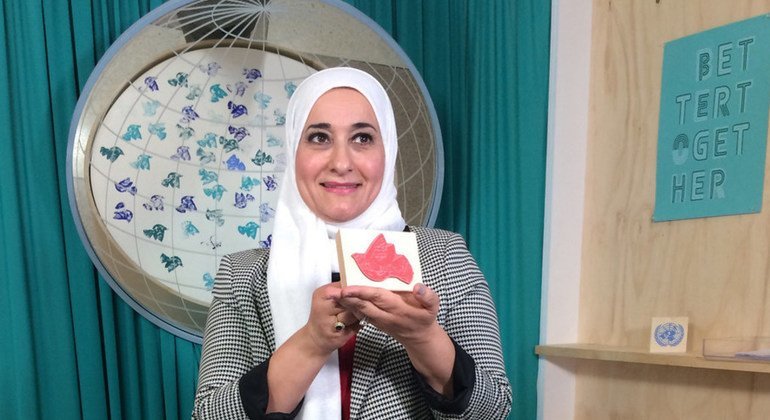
x=712, y=132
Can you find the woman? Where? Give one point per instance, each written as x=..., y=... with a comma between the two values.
x=283, y=341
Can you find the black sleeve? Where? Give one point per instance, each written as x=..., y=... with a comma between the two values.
x=255, y=393
x=463, y=378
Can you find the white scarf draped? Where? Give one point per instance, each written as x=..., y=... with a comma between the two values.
x=301, y=257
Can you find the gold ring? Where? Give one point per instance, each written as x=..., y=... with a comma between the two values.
x=338, y=326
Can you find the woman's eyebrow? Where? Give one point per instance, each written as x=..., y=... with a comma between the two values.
x=360, y=125
x=327, y=126
x=321, y=126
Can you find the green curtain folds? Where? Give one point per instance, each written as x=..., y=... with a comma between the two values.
x=72, y=349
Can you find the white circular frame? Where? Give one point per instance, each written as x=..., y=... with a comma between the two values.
x=174, y=147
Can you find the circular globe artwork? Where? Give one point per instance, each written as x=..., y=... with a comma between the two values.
x=176, y=145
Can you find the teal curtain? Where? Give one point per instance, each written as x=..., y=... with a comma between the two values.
x=72, y=349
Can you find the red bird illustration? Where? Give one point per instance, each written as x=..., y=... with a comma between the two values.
x=381, y=261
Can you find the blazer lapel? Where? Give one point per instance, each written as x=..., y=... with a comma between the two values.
x=369, y=345
x=262, y=318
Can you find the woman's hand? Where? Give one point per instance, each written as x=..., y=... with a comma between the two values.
x=410, y=318
x=295, y=364
x=406, y=317
x=325, y=312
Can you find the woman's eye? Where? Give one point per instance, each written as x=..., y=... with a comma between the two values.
x=317, y=138
x=362, y=138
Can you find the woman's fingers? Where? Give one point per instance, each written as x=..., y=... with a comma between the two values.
x=329, y=324
x=366, y=299
x=426, y=296
x=361, y=298
x=404, y=315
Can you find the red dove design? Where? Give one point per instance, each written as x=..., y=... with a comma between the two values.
x=381, y=261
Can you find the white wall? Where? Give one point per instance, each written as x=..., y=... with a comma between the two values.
x=565, y=191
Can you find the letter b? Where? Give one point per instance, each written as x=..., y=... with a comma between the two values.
x=704, y=64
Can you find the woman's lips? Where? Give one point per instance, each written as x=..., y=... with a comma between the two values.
x=340, y=187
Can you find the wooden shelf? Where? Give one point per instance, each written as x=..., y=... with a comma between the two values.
x=636, y=355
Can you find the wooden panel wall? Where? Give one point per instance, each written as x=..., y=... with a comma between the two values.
x=714, y=270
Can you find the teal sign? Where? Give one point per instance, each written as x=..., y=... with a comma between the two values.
x=712, y=135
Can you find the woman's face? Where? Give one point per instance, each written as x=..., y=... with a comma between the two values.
x=340, y=157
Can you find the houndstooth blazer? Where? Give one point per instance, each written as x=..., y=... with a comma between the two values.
x=239, y=335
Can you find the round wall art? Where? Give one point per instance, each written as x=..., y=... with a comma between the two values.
x=176, y=145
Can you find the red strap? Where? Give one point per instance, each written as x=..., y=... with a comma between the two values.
x=346, y=374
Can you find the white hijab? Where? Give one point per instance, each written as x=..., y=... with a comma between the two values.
x=301, y=258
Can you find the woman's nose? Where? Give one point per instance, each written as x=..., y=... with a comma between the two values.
x=340, y=159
